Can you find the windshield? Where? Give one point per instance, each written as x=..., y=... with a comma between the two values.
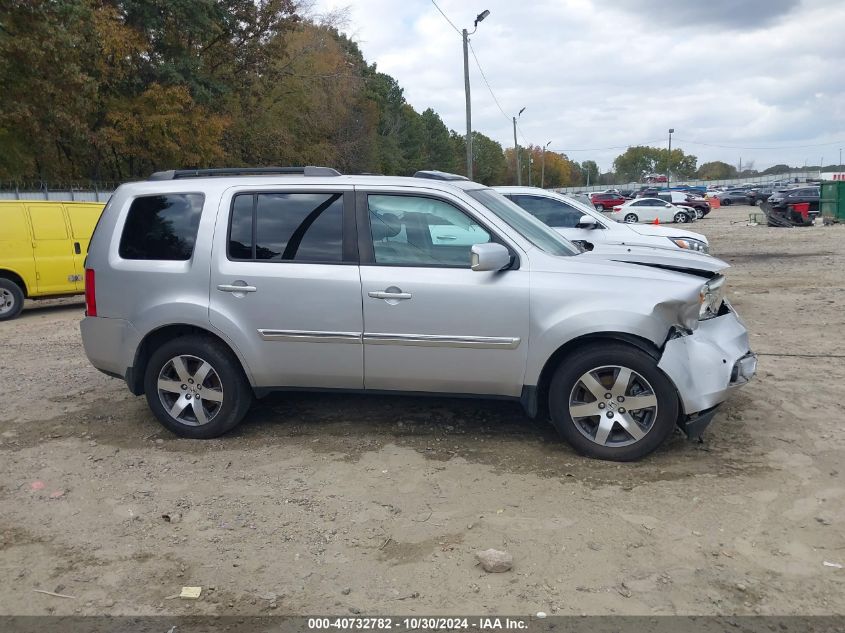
x=524, y=223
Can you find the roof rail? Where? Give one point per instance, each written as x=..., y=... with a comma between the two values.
x=433, y=174
x=176, y=174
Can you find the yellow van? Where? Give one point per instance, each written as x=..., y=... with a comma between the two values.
x=42, y=250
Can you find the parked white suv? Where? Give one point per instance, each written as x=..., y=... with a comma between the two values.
x=207, y=288
x=580, y=222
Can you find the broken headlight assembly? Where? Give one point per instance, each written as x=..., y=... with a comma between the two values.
x=711, y=297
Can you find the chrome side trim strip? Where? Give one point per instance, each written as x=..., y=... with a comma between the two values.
x=436, y=340
x=308, y=336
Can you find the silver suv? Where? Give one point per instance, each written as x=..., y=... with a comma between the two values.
x=208, y=288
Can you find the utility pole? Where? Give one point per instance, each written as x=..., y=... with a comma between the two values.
x=466, y=35
x=669, y=160
x=516, y=149
x=543, y=168
x=530, y=162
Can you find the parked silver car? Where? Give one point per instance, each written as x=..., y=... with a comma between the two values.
x=207, y=288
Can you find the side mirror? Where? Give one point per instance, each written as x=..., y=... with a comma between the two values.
x=586, y=222
x=489, y=256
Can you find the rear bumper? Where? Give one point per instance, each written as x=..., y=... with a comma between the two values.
x=707, y=365
x=109, y=344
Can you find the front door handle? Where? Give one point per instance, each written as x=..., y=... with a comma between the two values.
x=77, y=248
x=447, y=237
x=390, y=293
x=234, y=288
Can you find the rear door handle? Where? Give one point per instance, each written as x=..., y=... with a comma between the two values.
x=382, y=294
x=233, y=288
x=76, y=248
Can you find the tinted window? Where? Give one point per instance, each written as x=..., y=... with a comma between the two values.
x=302, y=227
x=549, y=211
x=162, y=227
x=417, y=231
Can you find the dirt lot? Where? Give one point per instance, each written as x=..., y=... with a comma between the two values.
x=344, y=504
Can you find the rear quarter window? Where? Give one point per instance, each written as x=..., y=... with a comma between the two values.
x=162, y=227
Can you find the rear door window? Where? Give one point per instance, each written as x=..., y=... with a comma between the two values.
x=162, y=227
x=287, y=227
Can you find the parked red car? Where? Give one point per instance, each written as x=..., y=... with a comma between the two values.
x=602, y=201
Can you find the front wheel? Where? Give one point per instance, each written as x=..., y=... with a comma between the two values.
x=599, y=207
x=726, y=202
x=11, y=299
x=610, y=401
x=699, y=213
x=196, y=387
x=681, y=217
x=631, y=218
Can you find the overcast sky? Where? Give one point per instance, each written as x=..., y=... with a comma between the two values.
x=609, y=73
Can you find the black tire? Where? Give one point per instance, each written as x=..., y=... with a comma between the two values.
x=681, y=217
x=227, y=373
x=726, y=202
x=566, y=381
x=11, y=299
x=630, y=218
x=599, y=207
x=699, y=213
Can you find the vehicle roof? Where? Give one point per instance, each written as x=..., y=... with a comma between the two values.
x=214, y=182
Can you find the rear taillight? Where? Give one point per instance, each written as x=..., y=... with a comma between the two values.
x=617, y=208
x=90, y=294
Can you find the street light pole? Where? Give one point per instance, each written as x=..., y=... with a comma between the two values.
x=466, y=35
x=516, y=149
x=669, y=160
x=530, y=162
x=543, y=168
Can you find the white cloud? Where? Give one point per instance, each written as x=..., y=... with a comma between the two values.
x=751, y=74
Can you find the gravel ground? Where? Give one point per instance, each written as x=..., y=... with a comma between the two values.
x=353, y=504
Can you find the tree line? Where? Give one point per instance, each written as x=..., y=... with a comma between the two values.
x=116, y=89
x=111, y=90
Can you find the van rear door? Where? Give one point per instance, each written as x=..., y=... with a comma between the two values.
x=53, y=249
x=16, y=243
x=83, y=218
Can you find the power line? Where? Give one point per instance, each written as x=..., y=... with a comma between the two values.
x=599, y=149
x=760, y=148
x=487, y=83
x=446, y=17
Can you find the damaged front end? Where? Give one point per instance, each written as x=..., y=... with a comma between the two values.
x=706, y=364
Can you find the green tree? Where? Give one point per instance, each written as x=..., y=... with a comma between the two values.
x=637, y=161
x=716, y=170
x=590, y=172
x=437, y=151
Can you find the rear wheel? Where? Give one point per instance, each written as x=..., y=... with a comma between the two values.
x=726, y=202
x=630, y=218
x=599, y=207
x=681, y=217
x=196, y=387
x=699, y=213
x=610, y=401
x=11, y=299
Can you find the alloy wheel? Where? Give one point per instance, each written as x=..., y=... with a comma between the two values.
x=190, y=390
x=7, y=301
x=613, y=406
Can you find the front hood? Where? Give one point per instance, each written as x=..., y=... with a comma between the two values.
x=665, y=231
x=676, y=260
